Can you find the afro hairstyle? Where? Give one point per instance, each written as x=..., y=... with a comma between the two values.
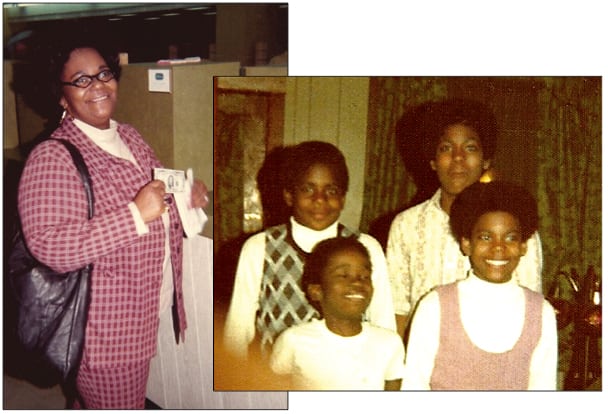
x=427, y=123
x=481, y=198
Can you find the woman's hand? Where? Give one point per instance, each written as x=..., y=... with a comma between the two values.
x=150, y=200
x=199, y=194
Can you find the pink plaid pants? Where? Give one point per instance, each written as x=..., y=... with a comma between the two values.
x=122, y=387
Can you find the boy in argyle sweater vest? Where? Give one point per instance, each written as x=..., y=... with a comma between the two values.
x=267, y=297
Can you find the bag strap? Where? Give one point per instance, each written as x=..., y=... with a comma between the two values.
x=83, y=171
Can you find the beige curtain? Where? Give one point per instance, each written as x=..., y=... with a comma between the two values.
x=388, y=187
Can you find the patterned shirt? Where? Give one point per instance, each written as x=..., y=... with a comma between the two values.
x=421, y=253
x=127, y=267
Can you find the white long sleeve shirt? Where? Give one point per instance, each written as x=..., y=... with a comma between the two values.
x=493, y=316
x=239, y=330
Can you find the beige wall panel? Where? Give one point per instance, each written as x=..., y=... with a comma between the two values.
x=193, y=116
x=332, y=109
x=151, y=113
x=324, y=107
x=352, y=140
x=265, y=70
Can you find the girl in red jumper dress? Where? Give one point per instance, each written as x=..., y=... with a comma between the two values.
x=485, y=332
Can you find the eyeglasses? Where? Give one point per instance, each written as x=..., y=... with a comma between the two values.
x=85, y=81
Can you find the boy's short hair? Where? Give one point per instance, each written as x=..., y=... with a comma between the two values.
x=480, y=198
x=440, y=115
x=299, y=158
x=319, y=257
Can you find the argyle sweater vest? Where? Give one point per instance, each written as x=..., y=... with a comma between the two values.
x=282, y=303
x=461, y=365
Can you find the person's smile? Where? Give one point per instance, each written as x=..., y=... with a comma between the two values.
x=497, y=263
x=99, y=98
x=95, y=103
x=495, y=246
x=356, y=297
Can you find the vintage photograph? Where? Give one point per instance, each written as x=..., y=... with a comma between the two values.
x=108, y=193
x=477, y=198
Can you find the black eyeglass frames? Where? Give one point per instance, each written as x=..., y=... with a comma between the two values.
x=85, y=81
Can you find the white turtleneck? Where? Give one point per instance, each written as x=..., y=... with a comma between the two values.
x=492, y=313
x=109, y=140
x=240, y=320
x=493, y=316
x=306, y=238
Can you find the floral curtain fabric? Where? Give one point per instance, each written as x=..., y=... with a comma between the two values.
x=569, y=176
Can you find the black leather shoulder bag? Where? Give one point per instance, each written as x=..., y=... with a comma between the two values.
x=52, y=307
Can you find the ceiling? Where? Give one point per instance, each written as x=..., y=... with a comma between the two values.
x=37, y=12
x=145, y=30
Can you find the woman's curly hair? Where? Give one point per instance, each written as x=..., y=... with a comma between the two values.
x=38, y=80
x=61, y=54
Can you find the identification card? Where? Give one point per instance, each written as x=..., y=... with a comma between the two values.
x=174, y=179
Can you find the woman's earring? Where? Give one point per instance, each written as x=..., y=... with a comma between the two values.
x=63, y=115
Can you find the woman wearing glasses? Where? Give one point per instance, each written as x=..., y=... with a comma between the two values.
x=134, y=241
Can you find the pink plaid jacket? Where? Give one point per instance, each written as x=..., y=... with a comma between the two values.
x=127, y=268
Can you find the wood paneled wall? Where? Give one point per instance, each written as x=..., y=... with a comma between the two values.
x=332, y=109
